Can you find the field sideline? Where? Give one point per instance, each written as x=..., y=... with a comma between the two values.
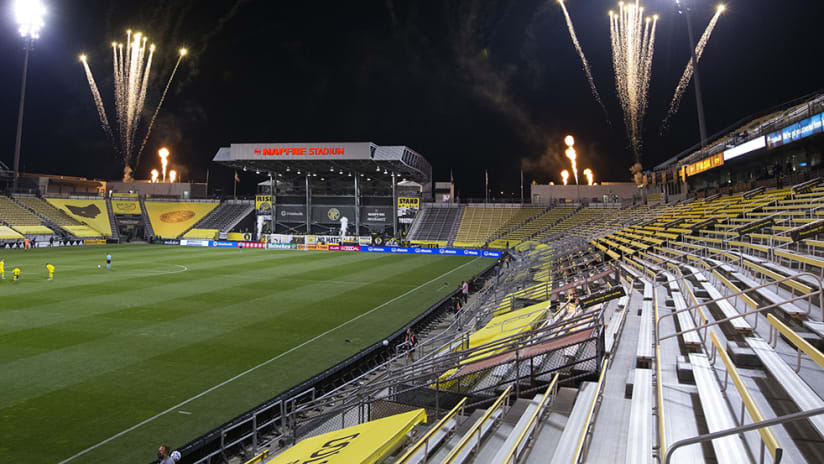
x=95, y=359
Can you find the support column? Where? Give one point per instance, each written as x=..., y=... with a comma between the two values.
x=394, y=208
x=357, y=205
x=308, y=207
x=272, y=189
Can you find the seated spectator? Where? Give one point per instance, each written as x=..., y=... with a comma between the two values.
x=166, y=456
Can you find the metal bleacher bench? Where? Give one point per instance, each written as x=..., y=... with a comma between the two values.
x=567, y=446
x=639, y=438
x=716, y=412
x=798, y=390
x=643, y=354
x=727, y=309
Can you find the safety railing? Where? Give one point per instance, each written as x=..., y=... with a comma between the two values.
x=757, y=310
x=800, y=344
x=520, y=442
x=740, y=429
x=476, y=431
x=768, y=440
x=259, y=458
x=423, y=443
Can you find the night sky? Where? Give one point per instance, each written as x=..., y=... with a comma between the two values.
x=471, y=85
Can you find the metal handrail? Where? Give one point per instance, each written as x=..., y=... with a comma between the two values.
x=424, y=440
x=740, y=429
x=512, y=454
x=477, y=426
x=767, y=437
x=658, y=339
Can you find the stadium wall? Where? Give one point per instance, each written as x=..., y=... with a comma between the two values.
x=624, y=191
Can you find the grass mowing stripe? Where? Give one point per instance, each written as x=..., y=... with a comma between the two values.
x=252, y=369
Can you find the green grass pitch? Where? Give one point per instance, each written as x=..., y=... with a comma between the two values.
x=94, y=353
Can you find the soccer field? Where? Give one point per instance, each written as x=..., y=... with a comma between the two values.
x=174, y=341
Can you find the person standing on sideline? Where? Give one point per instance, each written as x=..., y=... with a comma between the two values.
x=108, y=261
x=50, y=268
x=465, y=291
x=26, y=244
x=409, y=343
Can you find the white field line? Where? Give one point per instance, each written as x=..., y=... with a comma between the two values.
x=254, y=368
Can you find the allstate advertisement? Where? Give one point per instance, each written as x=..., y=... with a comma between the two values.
x=431, y=251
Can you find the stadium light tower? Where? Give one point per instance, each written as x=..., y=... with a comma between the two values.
x=29, y=14
x=686, y=10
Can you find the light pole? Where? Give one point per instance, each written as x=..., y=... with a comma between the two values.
x=29, y=15
x=699, y=101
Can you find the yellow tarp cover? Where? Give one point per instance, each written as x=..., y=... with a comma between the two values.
x=366, y=443
x=34, y=230
x=126, y=207
x=7, y=233
x=210, y=234
x=82, y=231
x=172, y=218
x=93, y=213
x=509, y=324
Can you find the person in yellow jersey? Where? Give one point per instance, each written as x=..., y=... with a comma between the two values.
x=51, y=271
x=16, y=274
x=2, y=268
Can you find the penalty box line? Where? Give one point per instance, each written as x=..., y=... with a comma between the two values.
x=254, y=368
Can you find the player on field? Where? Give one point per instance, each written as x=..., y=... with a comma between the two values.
x=16, y=274
x=2, y=268
x=51, y=271
x=108, y=261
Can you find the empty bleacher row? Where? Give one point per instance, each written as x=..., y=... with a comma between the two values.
x=436, y=225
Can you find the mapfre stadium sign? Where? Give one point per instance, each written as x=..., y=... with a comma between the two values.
x=293, y=151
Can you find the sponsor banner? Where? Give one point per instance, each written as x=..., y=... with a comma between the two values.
x=222, y=244
x=251, y=245
x=94, y=242
x=263, y=203
x=431, y=251
x=313, y=246
x=376, y=215
x=167, y=242
x=333, y=214
x=343, y=248
x=364, y=241
x=291, y=213
x=282, y=246
x=200, y=243
x=809, y=230
x=603, y=297
x=703, y=225
x=755, y=225
x=705, y=164
x=407, y=209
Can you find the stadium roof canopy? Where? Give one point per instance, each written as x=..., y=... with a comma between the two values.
x=295, y=160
